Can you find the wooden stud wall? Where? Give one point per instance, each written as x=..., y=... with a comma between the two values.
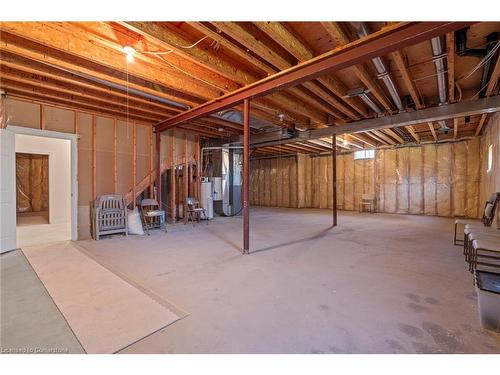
x=434, y=179
x=111, y=158
x=490, y=182
x=179, y=149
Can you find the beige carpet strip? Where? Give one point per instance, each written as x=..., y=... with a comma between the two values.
x=106, y=313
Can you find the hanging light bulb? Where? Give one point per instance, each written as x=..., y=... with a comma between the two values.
x=129, y=51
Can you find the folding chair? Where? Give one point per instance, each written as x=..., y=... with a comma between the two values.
x=367, y=201
x=194, y=210
x=489, y=213
x=152, y=216
x=109, y=216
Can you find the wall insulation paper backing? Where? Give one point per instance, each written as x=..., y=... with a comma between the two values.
x=443, y=188
x=430, y=166
x=433, y=179
x=292, y=161
x=124, y=156
x=473, y=179
x=32, y=182
x=358, y=181
x=459, y=179
x=340, y=181
x=21, y=113
x=142, y=153
x=323, y=182
x=329, y=170
x=58, y=119
x=348, y=183
x=84, y=124
x=379, y=178
x=390, y=180
x=416, y=191
x=402, y=172
x=104, y=156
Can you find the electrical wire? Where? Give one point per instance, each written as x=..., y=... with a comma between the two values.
x=483, y=61
x=177, y=45
x=191, y=75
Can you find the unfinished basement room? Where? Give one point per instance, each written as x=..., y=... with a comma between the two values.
x=250, y=187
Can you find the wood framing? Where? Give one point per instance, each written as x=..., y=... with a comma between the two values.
x=392, y=38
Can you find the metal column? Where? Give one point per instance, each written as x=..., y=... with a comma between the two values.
x=158, y=167
x=246, y=176
x=334, y=180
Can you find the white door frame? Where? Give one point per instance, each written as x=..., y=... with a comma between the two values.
x=7, y=191
x=74, y=166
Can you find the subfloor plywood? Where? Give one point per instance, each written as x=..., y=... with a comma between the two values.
x=106, y=313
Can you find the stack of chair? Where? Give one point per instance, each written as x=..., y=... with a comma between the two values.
x=109, y=216
x=481, y=240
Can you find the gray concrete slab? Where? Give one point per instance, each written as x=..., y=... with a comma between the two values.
x=378, y=283
x=30, y=321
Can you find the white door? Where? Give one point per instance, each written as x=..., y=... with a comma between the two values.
x=7, y=191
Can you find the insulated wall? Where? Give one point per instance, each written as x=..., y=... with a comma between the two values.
x=32, y=182
x=490, y=181
x=179, y=151
x=113, y=156
x=274, y=182
x=432, y=179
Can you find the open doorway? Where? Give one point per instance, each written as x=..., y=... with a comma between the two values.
x=32, y=189
x=45, y=186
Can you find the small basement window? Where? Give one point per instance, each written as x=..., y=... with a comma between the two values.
x=364, y=154
x=490, y=159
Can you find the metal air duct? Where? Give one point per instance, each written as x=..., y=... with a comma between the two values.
x=383, y=74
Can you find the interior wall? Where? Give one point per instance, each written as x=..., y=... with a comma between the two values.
x=490, y=182
x=274, y=182
x=113, y=157
x=32, y=183
x=179, y=149
x=433, y=179
x=59, y=151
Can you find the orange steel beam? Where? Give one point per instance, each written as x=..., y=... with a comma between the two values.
x=387, y=40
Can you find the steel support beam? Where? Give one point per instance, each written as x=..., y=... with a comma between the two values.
x=158, y=168
x=246, y=176
x=432, y=114
x=387, y=40
x=334, y=181
x=422, y=116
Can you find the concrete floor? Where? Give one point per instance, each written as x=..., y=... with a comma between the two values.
x=35, y=230
x=376, y=284
x=30, y=321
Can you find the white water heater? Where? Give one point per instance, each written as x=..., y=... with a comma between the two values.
x=206, y=199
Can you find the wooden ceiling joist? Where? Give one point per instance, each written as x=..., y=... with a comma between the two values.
x=341, y=39
x=85, y=52
x=450, y=44
x=71, y=105
x=46, y=55
x=277, y=33
x=388, y=40
x=67, y=78
x=492, y=84
x=412, y=89
x=44, y=83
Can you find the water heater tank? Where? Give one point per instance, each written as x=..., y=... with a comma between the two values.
x=206, y=199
